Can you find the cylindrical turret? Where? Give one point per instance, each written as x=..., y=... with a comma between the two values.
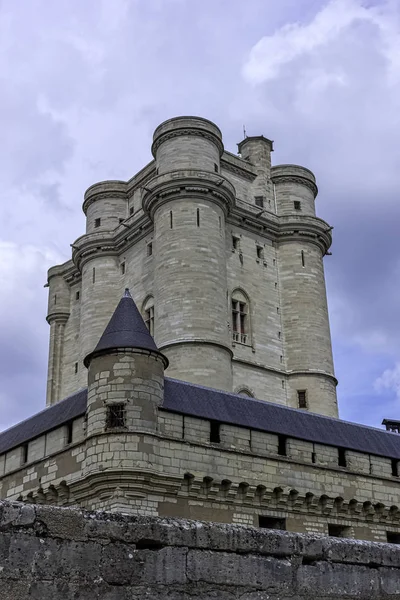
x=303, y=242
x=295, y=190
x=57, y=316
x=105, y=205
x=188, y=202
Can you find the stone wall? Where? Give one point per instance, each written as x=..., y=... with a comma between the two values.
x=49, y=553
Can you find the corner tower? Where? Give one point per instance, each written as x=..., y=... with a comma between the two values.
x=188, y=201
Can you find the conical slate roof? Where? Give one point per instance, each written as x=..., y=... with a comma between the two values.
x=126, y=329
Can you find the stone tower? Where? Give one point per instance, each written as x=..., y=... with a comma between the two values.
x=225, y=257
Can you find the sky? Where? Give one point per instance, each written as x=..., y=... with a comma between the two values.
x=83, y=86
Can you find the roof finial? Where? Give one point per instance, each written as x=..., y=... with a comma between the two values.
x=127, y=293
x=244, y=132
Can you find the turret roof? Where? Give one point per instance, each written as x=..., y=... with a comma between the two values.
x=126, y=329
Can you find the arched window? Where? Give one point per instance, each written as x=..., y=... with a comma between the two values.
x=245, y=392
x=240, y=318
x=148, y=313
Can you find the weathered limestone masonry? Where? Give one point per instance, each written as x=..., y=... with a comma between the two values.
x=224, y=257
x=49, y=553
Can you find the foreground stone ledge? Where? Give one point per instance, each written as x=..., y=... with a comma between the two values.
x=63, y=553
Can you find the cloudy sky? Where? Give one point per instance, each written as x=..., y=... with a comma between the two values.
x=84, y=84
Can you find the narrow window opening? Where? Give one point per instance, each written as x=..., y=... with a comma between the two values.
x=297, y=205
x=313, y=457
x=266, y=522
x=302, y=398
x=131, y=210
x=239, y=321
x=171, y=220
x=97, y=222
x=215, y=437
x=260, y=252
x=76, y=367
x=216, y=167
x=123, y=268
x=115, y=416
x=94, y=275
x=149, y=249
x=235, y=242
x=282, y=442
x=121, y=220
x=279, y=335
x=198, y=217
x=55, y=298
x=283, y=384
x=220, y=222
x=281, y=358
x=69, y=432
x=25, y=453
x=303, y=261
x=393, y=537
x=259, y=201
x=340, y=531
x=274, y=262
x=149, y=319
x=77, y=295
x=277, y=310
x=342, y=462
x=395, y=467
x=276, y=284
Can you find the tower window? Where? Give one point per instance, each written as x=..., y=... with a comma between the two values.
x=77, y=295
x=235, y=242
x=297, y=205
x=239, y=321
x=171, y=221
x=342, y=462
x=216, y=167
x=123, y=268
x=259, y=201
x=260, y=252
x=121, y=220
x=215, y=437
x=302, y=398
x=115, y=416
x=198, y=217
x=282, y=445
x=271, y=522
x=340, y=531
x=393, y=537
x=395, y=467
x=131, y=210
x=148, y=313
x=69, y=432
x=94, y=275
x=149, y=249
x=24, y=453
x=97, y=222
x=55, y=298
x=303, y=260
x=76, y=367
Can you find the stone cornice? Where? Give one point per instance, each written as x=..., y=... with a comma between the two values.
x=188, y=184
x=187, y=131
x=187, y=126
x=238, y=166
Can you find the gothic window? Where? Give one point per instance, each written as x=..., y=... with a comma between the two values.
x=245, y=392
x=148, y=314
x=302, y=398
x=240, y=318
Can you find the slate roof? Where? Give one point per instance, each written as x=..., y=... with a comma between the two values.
x=207, y=403
x=126, y=329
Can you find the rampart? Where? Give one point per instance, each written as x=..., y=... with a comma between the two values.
x=62, y=553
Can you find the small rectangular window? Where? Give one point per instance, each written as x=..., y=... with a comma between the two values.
x=313, y=457
x=55, y=298
x=171, y=220
x=198, y=217
x=266, y=522
x=303, y=260
x=25, y=453
x=115, y=416
x=395, y=467
x=340, y=531
x=76, y=367
x=235, y=242
x=259, y=201
x=342, y=461
x=77, y=295
x=149, y=249
x=214, y=432
x=302, y=398
x=216, y=167
x=282, y=445
x=393, y=537
x=131, y=210
x=123, y=268
x=94, y=275
x=297, y=205
x=260, y=252
x=97, y=222
x=69, y=432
